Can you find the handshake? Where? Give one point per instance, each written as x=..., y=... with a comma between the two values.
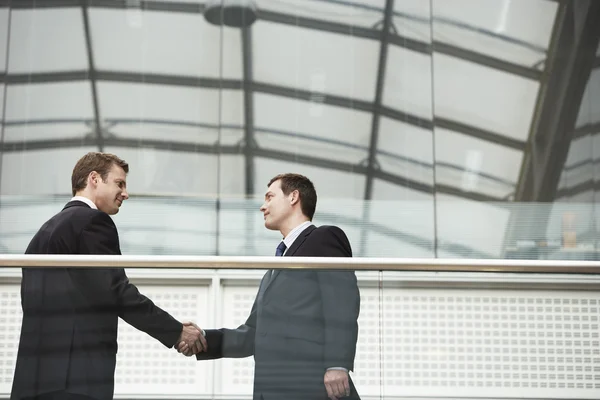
x=192, y=340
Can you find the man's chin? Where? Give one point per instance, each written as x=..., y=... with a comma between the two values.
x=270, y=226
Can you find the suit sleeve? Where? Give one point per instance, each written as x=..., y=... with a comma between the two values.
x=111, y=286
x=231, y=343
x=340, y=298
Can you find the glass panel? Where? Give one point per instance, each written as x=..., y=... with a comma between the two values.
x=21, y=171
x=39, y=44
x=155, y=172
x=171, y=226
x=405, y=150
x=170, y=113
x=407, y=84
x=4, y=14
x=412, y=19
x=316, y=61
x=352, y=12
x=312, y=129
x=145, y=46
x=328, y=183
x=48, y=111
x=402, y=216
x=497, y=28
x=22, y=216
x=475, y=165
x=477, y=227
x=483, y=97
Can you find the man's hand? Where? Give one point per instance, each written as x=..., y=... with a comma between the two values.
x=192, y=338
x=187, y=349
x=336, y=383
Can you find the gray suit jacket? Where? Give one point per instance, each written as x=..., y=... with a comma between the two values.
x=302, y=323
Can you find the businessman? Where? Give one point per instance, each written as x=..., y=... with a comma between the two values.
x=68, y=343
x=302, y=329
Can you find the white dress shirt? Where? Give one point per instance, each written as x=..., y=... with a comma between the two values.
x=85, y=200
x=293, y=235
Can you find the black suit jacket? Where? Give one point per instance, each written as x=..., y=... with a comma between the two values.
x=302, y=323
x=69, y=329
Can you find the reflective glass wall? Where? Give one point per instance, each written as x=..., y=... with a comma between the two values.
x=443, y=128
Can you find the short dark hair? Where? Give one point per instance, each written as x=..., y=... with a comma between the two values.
x=94, y=161
x=308, y=194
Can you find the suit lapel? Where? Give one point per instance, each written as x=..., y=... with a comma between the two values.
x=299, y=240
x=291, y=251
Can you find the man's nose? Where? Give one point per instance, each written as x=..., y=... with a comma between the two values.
x=125, y=195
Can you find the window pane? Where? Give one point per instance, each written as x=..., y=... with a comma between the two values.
x=48, y=111
x=317, y=61
x=501, y=29
x=312, y=129
x=171, y=113
x=475, y=165
x=190, y=46
x=405, y=150
x=21, y=171
x=407, y=84
x=589, y=112
x=483, y=97
x=46, y=40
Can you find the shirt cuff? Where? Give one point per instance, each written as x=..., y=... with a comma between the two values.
x=337, y=368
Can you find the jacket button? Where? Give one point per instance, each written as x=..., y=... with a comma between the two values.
x=263, y=333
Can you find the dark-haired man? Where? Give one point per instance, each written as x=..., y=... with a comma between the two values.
x=68, y=343
x=302, y=329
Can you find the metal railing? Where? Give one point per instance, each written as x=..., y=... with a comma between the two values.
x=357, y=264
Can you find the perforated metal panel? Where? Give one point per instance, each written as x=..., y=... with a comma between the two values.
x=367, y=363
x=10, y=330
x=145, y=366
x=510, y=343
x=237, y=375
x=436, y=343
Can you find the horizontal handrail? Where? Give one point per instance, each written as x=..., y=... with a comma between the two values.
x=252, y=262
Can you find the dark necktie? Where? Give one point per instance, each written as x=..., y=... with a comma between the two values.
x=280, y=249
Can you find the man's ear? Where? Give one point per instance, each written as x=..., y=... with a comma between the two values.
x=294, y=197
x=93, y=179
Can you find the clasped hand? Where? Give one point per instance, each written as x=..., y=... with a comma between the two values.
x=191, y=339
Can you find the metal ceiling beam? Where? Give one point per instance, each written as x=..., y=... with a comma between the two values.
x=372, y=164
x=248, y=110
x=587, y=186
x=92, y=77
x=572, y=53
x=587, y=129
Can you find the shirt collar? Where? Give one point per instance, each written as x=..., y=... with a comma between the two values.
x=293, y=235
x=85, y=200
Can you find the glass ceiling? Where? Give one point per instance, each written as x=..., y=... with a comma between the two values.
x=443, y=101
x=159, y=74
